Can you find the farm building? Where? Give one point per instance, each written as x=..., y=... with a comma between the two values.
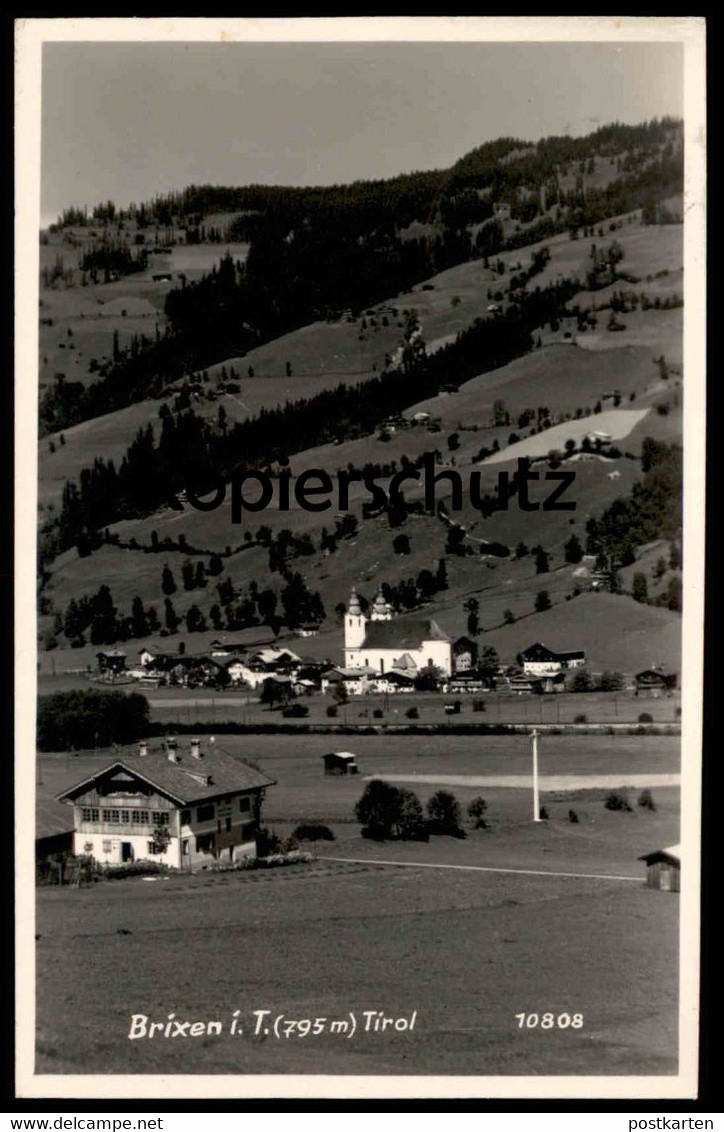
x=356, y=681
x=539, y=660
x=464, y=654
x=340, y=762
x=380, y=640
x=112, y=661
x=654, y=681
x=466, y=682
x=183, y=809
x=663, y=869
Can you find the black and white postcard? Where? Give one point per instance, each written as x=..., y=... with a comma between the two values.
x=360, y=489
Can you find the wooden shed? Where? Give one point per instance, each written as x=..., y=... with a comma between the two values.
x=663, y=869
x=340, y=762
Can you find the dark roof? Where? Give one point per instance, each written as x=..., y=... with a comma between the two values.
x=402, y=635
x=539, y=651
x=184, y=781
x=577, y=654
x=464, y=642
x=671, y=856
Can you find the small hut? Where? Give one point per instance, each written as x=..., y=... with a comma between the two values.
x=663, y=868
x=340, y=762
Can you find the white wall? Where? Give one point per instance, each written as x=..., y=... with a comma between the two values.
x=113, y=856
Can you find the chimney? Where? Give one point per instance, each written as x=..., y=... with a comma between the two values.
x=142, y=747
x=195, y=749
x=171, y=751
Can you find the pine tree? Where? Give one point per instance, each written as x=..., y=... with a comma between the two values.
x=573, y=550
x=168, y=585
x=170, y=618
x=139, y=622
x=188, y=575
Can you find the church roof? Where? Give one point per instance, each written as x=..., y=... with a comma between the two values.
x=409, y=634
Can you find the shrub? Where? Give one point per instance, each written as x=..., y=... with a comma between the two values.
x=134, y=869
x=573, y=816
x=611, y=682
x=378, y=713
x=411, y=824
x=443, y=812
x=645, y=717
x=479, y=705
x=313, y=831
x=267, y=842
x=476, y=811
x=616, y=801
x=580, y=719
x=385, y=811
x=295, y=711
x=544, y=815
x=332, y=710
x=646, y=800
x=412, y=713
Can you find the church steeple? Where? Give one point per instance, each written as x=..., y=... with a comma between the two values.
x=354, y=625
x=381, y=610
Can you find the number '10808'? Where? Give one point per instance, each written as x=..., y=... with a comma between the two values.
x=549, y=1021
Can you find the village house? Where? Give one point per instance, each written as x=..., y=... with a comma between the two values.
x=226, y=648
x=111, y=662
x=466, y=682
x=255, y=668
x=356, y=681
x=654, y=682
x=539, y=660
x=380, y=641
x=464, y=654
x=184, y=809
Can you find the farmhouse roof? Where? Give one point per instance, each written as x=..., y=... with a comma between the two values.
x=396, y=635
x=400, y=675
x=271, y=654
x=539, y=651
x=576, y=654
x=658, y=674
x=184, y=781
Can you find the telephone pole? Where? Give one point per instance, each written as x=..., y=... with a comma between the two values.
x=536, y=802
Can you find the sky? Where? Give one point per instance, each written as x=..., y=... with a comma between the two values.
x=127, y=121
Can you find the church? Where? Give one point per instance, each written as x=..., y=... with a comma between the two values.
x=385, y=644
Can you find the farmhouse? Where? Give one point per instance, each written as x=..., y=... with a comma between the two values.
x=259, y=665
x=380, y=641
x=464, y=654
x=539, y=660
x=112, y=662
x=654, y=681
x=184, y=809
x=466, y=682
x=356, y=681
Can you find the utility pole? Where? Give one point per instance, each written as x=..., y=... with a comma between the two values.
x=536, y=802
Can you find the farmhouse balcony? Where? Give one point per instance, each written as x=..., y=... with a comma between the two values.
x=115, y=829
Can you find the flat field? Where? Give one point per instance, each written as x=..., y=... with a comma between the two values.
x=515, y=918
